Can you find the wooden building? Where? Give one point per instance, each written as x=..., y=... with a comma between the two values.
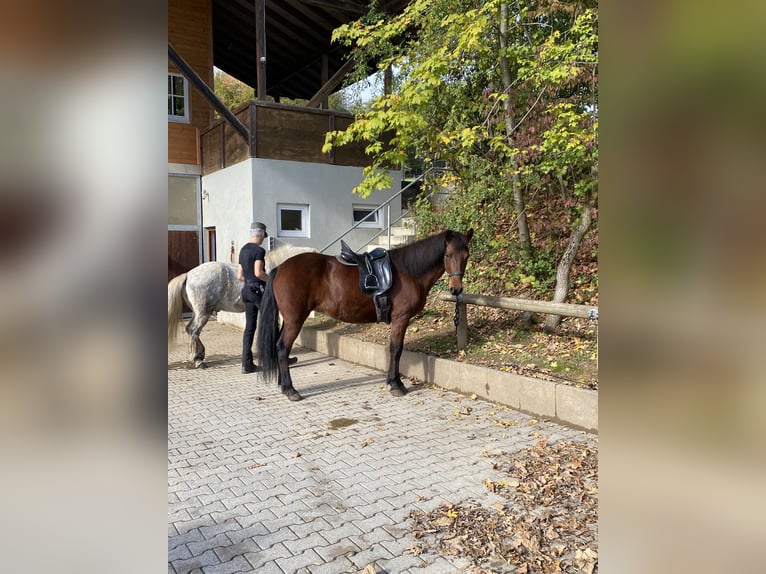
x=190, y=31
x=263, y=162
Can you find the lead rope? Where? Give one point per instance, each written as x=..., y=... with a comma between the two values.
x=456, y=320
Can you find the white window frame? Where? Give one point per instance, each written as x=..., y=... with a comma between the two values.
x=305, y=230
x=373, y=222
x=185, y=117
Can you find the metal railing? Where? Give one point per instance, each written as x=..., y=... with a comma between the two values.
x=389, y=223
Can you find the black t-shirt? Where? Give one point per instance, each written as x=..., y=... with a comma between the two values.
x=248, y=255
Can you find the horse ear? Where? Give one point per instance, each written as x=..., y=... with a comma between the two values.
x=448, y=236
x=469, y=235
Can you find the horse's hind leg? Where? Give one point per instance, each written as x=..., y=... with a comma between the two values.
x=284, y=346
x=196, y=348
x=394, y=379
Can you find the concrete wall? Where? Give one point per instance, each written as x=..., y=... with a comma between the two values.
x=227, y=206
x=250, y=191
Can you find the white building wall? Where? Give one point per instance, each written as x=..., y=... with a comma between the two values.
x=227, y=206
x=251, y=190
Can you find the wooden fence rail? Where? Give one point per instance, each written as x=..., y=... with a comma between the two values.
x=566, y=309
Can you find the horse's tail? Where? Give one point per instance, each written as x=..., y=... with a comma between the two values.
x=268, y=331
x=175, y=305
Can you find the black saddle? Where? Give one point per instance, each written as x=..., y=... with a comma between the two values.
x=375, y=277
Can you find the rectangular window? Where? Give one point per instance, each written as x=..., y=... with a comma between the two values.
x=292, y=220
x=178, y=101
x=362, y=211
x=182, y=200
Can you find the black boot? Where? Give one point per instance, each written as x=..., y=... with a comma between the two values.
x=251, y=368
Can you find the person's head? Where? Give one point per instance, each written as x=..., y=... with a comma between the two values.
x=258, y=231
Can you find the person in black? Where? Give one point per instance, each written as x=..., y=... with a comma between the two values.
x=252, y=270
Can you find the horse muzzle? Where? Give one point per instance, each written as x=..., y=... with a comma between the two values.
x=456, y=283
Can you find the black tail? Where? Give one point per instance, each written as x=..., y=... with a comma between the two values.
x=268, y=331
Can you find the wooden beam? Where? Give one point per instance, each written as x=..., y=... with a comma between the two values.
x=314, y=16
x=260, y=48
x=303, y=27
x=342, y=5
x=207, y=93
x=546, y=307
x=331, y=84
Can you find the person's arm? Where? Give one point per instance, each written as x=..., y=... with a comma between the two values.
x=240, y=273
x=260, y=270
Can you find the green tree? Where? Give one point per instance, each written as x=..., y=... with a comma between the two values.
x=504, y=94
x=231, y=91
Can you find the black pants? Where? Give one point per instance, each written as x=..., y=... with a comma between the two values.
x=251, y=295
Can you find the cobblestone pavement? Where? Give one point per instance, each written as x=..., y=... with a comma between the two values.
x=257, y=483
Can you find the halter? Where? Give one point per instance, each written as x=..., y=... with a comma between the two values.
x=454, y=273
x=458, y=298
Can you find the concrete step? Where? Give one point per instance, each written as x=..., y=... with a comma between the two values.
x=396, y=241
x=401, y=234
x=401, y=231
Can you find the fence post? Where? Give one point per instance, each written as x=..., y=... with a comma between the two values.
x=462, y=326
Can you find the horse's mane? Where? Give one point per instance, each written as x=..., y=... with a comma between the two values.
x=276, y=257
x=419, y=257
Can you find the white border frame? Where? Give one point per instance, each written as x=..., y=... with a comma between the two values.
x=371, y=223
x=187, y=101
x=305, y=220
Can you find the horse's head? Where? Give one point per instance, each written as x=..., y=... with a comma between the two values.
x=456, y=258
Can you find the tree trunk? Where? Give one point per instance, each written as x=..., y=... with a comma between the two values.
x=518, y=194
x=551, y=322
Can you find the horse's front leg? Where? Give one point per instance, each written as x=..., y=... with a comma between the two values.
x=394, y=380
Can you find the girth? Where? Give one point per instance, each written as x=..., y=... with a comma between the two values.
x=375, y=277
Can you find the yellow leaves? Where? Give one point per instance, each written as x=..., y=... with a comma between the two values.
x=527, y=279
x=442, y=522
x=495, y=486
x=586, y=560
x=367, y=442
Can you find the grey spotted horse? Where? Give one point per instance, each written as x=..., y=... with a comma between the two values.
x=208, y=288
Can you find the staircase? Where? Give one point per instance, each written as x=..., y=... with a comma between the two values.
x=401, y=234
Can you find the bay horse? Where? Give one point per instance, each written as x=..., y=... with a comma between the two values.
x=311, y=281
x=211, y=287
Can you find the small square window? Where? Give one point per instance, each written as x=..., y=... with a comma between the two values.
x=178, y=101
x=362, y=213
x=293, y=220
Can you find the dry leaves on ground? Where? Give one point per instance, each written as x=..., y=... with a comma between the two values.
x=548, y=522
x=496, y=340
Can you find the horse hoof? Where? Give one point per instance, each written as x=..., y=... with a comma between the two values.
x=398, y=390
x=200, y=365
x=294, y=395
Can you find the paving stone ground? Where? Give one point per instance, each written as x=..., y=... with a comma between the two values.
x=259, y=484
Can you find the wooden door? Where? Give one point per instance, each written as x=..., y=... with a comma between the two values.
x=183, y=252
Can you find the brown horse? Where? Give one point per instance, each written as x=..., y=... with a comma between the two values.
x=311, y=281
